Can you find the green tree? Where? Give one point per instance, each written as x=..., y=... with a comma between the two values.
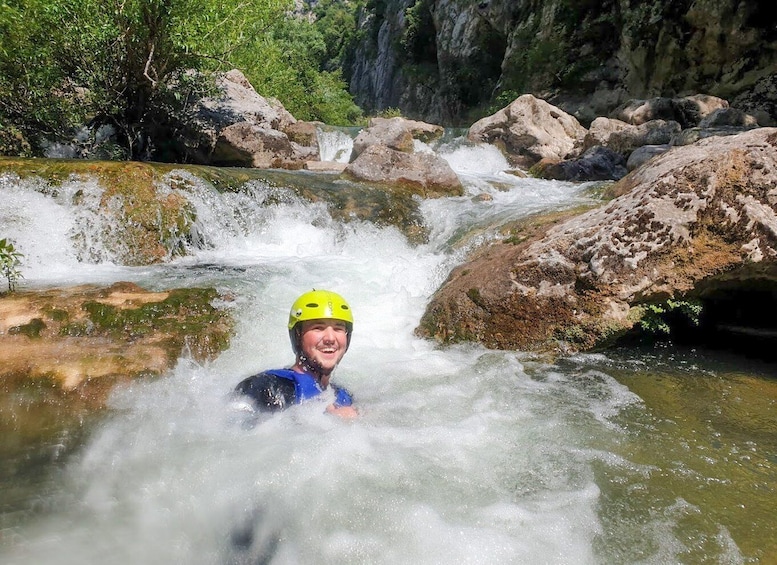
x=293, y=69
x=114, y=61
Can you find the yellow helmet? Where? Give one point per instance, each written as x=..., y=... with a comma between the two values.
x=318, y=305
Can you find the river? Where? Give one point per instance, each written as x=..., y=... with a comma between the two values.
x=462, y=455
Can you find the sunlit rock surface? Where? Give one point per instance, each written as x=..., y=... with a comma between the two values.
x=686, y=224
x=89, y=336
x=425, y=174
x=239, y=127
x=395, y=133
x=529, y=129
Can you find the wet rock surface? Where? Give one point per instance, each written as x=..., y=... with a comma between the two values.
x=385, y=154
x=88, y=338
x=683, y=225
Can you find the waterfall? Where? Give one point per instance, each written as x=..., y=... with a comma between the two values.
x=335, y=144
x=461, y=454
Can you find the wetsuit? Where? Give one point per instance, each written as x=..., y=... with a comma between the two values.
x=278, y=389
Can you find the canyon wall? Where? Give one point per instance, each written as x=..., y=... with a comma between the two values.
x=450, y=61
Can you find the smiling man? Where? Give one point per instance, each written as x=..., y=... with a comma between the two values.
x=320, y=327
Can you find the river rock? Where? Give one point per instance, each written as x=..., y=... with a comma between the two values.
x=249, y=145
x=530, y=129
x=600, y=131
x=303, y=133
x=692, y=135
x=239, y=127
x=597, y=163
x=625, y=138
x=90, y=336
x=654, y=132
x=729, y=117
x=396, y=133
x=686, y=222
x=687, y=111
x=642, y=155
x=422, y=173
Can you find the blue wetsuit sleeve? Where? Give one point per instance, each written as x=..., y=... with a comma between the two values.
x=343, y=397
x=267, y=392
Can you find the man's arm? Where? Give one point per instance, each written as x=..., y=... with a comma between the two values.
x=268, y=392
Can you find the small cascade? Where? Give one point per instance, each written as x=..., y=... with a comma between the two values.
x=335, y=144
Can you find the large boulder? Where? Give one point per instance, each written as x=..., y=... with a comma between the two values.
x=530, y=129
x=687, y=111
x=422, y=173
x=237, y=101
x=239, y=127
x=685, y=224
x=396, y=133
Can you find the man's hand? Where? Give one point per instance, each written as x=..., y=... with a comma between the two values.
x=345, y=412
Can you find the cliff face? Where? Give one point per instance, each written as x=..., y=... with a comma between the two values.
x=443, y=60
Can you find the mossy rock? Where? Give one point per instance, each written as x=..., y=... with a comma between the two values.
x=85, y=336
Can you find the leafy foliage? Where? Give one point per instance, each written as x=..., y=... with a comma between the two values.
x=655, y=317
x=418, y=39
x=10, y=259
x=294, y=55
x=138, y=64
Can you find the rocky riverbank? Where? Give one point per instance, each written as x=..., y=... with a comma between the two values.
x=697, y=224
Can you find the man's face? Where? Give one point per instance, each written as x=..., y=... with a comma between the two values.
x=324, y=342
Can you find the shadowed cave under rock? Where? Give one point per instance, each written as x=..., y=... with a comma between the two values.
x=737, y=316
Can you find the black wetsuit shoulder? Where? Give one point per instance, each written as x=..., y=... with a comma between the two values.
x=269, y=393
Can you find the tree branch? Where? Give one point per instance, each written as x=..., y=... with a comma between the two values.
x=148, y=67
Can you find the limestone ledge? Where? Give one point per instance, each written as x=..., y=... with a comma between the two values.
x=90, y=337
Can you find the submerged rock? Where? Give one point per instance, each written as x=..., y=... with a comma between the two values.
x=685, y=223
x=145, y=213
x=137, y=219
x=90, y=336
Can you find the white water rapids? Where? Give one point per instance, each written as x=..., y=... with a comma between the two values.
x=461, y=455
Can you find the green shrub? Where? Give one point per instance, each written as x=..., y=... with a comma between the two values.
x=10, y=259
x=655, y=316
